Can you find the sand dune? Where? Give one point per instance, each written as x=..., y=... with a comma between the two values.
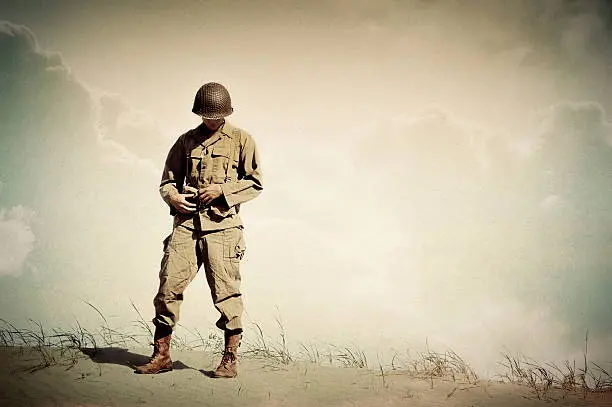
x=106, y=379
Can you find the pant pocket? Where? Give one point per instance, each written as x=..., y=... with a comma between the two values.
x=234, y=248
x=234, y=244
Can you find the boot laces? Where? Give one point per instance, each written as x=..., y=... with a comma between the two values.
x=156, y=350
x=229, y=356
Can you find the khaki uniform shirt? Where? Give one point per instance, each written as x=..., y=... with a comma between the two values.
x=200, y=158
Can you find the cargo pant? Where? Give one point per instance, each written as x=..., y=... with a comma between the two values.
x=220, y=252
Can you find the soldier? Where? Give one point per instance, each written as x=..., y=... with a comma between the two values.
x=209, y=172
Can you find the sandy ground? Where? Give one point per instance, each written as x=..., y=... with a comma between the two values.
x=107, y=379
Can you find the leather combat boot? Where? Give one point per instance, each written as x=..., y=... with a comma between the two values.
x=228, y=367
x=160, y=360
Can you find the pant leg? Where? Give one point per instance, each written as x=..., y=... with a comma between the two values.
x=222, y=252
x=179, y=266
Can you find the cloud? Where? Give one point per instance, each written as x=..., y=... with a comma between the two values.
x=16, y=239
x=572, y=155
x=39, y=95
x=432, y=166
x=38, y=82
x=360, y=10
x=437, y=154
x=93, y=196
x=567, y=35
x=22, y=55
x=131, y=128
x=483, y=222
x=579, y=38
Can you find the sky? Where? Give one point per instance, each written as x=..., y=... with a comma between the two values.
x=433, y=170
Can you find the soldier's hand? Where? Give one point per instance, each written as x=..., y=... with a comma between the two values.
x=210, y=193
x=181, y=204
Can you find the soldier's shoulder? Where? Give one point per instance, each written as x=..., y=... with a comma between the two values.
x=236, y=132
x=187, y=134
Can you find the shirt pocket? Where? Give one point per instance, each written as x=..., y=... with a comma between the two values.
x=220, y=156
x=197, y=166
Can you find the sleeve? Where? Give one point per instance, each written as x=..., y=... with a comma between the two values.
x=173, y=175
x=250, y=182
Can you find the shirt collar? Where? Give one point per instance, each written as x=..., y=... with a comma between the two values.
x=226, y=129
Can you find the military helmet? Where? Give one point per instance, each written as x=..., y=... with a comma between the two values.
x=212, y=101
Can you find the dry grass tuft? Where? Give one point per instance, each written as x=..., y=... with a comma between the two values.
x=430, y=365
x=262, y=347
x=36, y=341
x=544, y=378
x=351, y=356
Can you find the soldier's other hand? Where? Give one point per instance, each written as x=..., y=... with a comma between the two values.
x=181, y=204
x=210, y=193
x=189, y=190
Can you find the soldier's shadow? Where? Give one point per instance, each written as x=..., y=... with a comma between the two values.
x=208, y=373
x=123, y=357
